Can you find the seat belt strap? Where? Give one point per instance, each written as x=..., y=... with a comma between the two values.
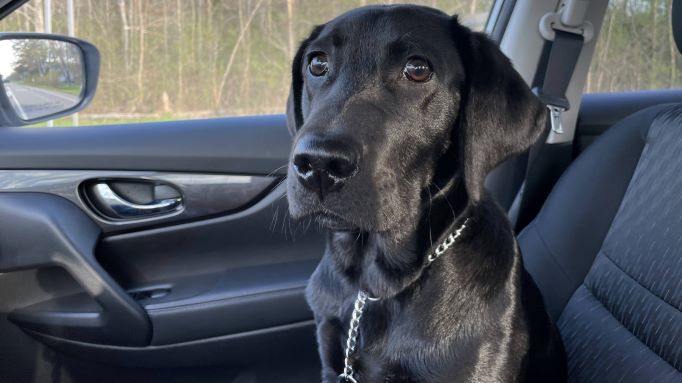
x=559, y=65
x=565, y=33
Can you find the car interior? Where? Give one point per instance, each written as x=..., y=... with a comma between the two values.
x=161, y=251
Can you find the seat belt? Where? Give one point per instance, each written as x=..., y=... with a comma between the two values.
x=565, y=33
x=558, y=67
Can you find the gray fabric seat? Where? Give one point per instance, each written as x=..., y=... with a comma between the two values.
x=606, y=250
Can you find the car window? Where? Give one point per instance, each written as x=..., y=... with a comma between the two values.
x=173, y=59
x=636, y=50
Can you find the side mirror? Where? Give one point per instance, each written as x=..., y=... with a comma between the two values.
x=44, y=77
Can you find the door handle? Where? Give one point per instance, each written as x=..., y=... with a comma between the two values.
x=114, y=206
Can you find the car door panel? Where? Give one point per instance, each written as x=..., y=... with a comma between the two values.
x=272, y=349
x=257, y=145
x=220, y=282
x=219, y=268
x=203, y=195
x=66, y=239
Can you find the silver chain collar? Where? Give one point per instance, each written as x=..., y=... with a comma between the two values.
x=348, y=374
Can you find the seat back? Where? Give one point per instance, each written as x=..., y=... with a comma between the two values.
x=624, y=323
x=606, y=250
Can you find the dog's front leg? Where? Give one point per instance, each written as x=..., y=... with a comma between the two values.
x=329, y=340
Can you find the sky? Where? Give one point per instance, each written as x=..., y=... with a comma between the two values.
x=6, y=58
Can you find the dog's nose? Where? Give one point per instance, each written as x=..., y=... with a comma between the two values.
x=323, y=165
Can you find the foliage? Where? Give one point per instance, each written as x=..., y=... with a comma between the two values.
x=636, y=49
x=201, y=58
x=195, y=58
x=47, y=64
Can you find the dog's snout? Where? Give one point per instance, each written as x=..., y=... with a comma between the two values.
x=323, y=165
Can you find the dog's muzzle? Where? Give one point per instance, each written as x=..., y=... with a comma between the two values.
x=323, y=165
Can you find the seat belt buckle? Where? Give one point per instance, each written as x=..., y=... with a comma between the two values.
x=555, y=118
x=556, y=106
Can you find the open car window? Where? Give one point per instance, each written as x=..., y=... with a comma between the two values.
x=168, y=60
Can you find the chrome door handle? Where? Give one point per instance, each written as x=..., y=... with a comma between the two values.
x=115, y=206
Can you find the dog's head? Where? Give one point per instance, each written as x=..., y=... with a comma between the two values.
x=385, y=97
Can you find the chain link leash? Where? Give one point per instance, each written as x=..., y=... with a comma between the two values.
x=348, y=375
x=352, y=341
x=446, y=244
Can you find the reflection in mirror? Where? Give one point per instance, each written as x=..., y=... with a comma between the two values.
x=41, y=77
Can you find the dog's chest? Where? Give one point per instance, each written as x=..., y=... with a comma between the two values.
x=399, y=342
x=406, y=339
x=403, y=353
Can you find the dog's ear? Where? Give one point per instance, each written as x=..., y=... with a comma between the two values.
x=499, y=115
x=296, y=101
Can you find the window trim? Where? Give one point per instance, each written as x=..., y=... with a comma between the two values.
x=498, y=19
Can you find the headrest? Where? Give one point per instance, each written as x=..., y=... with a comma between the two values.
x=677, y=23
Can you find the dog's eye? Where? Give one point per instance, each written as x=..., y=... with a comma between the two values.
x=417, y=69
x=318, y=65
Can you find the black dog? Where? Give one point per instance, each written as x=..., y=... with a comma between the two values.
x=399, y=112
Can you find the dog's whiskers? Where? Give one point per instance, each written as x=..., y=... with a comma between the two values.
x=279, y=183
x=273, y=222
x=291, y=230
x=283, y=227
x=452, y=210
x=276, y=170
x=428, y=217
x=358, y=237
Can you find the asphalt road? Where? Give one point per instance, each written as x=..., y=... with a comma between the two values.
x=37, y=102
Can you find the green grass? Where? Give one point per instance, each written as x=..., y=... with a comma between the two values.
x=73, y=90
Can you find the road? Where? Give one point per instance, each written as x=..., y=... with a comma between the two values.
x=34, y=102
